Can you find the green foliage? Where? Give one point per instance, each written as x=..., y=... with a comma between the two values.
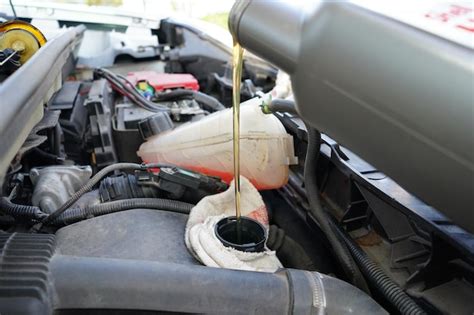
x=217, y=18
x=110, y=3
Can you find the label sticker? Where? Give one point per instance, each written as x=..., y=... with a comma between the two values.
x=451, y=20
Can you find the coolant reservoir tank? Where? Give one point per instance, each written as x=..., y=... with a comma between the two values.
x=206, y=146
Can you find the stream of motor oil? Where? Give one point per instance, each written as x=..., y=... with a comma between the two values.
x=237, y=54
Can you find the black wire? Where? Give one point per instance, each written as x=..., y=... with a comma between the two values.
x=13, y=8
x=92, y=182
x=125, y=87
x=383, y=283
x=339, y=248
x=73, y=215
x=125, y=90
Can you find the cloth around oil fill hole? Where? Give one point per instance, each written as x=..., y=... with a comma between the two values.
x=203, y=244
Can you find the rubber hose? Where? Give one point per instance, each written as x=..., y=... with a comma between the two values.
x=316, y=210
x=78, y=214
x=391, y=291
x=45, y=156
x=92, y=182
x=209, y=102
x=57, y=140
x=21, y=211
x=173, y=95
x=281, y=105
x=290, y=253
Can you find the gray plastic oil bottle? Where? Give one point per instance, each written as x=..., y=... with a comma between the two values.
x=395, y=89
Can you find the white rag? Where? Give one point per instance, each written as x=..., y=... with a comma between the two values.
x=202, y=242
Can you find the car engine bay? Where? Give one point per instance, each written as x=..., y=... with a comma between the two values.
x=101, y=166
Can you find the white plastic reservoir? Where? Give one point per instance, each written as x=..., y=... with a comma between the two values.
x=206, y=146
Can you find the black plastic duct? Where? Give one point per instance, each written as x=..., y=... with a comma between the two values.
x=102, y=283
x=39, y=280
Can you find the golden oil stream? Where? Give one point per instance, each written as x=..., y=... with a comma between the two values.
x=237, y=54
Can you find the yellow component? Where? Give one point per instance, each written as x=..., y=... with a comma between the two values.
x=142, y=85
x=22, y=37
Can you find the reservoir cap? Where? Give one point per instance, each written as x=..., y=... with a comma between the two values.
x=155, y=124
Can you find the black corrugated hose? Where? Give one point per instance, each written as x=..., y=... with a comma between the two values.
x=21, y=211
x=316, y=210
x=91, y=183
x=392, y=292
x=73, y=215
x=78, y=214
x=341, y=252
